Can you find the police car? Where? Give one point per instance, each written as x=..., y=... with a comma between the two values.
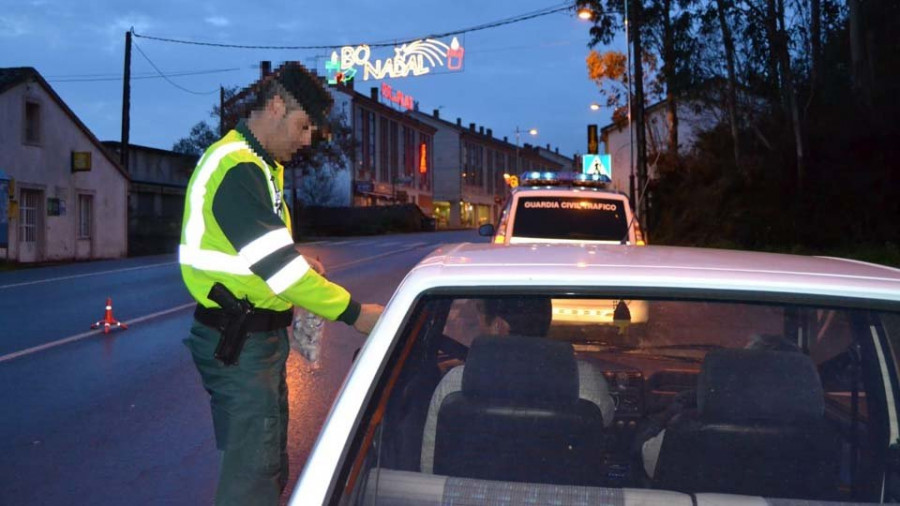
x=563, y=207
x=762, y=379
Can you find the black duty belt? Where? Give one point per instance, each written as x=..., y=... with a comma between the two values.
x=259, y=320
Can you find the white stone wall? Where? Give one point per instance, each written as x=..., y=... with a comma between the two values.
x=47, y=167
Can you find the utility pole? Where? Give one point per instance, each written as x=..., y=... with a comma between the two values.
x=126, y=103
x=637, y=105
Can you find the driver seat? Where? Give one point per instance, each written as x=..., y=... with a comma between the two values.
x=518, y=416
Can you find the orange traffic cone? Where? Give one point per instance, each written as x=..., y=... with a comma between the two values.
x=108, y=319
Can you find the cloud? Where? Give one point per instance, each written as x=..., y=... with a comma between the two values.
x=12, y=26
x=114, y=32
x=288, y=26
x=218, y=21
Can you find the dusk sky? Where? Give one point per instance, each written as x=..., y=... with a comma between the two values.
x=530, y=74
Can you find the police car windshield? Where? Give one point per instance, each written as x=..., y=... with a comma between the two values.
x=570, y=218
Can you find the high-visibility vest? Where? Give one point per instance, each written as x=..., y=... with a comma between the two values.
x=207, y=256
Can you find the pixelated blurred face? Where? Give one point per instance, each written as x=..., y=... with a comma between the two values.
x=293, y=129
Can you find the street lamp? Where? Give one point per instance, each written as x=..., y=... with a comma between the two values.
x=585, y=13
x=532, y=132
x=595, y=106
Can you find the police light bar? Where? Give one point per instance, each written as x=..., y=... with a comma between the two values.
x=591, y=180
x=535, y=178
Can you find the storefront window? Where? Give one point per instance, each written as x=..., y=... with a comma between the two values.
x=467, y=211
x=442, y=213
x=482, y=214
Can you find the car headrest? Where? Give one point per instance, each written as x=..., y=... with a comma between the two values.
x=759, y=385
x=521, y=368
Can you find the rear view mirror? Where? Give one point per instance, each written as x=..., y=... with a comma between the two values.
x=486, y=230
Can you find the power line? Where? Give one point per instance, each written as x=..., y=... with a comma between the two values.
x=173, y=83
x=542, y=11
x=112, y=77
x=485, y=26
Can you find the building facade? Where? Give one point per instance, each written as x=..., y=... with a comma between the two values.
x=394, y=158
x=66, y=194
x=156, y=192
x=470, y=164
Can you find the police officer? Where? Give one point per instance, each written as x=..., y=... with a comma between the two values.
x=237, y=233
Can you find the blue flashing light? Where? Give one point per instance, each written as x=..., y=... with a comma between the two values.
x=549, y=175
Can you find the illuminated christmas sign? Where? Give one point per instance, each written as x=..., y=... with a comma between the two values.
x=396, y=96
x=415, y=58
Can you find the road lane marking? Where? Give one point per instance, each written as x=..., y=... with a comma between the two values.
x=87, y=274
x=358, y=261
x=164, y=312
x=84, y=335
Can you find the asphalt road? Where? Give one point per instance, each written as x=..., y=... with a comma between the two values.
x=102, y=419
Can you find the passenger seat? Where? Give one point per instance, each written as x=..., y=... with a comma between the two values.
x=760, y=429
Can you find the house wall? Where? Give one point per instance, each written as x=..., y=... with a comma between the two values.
x=46, y=167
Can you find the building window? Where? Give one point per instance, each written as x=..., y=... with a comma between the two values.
x=474, y=173
x=32, y=122
x=359, y=126
x=85, y=216
x=371, y=156
x=367, y=148
x=395, y=154
x=383, y=167
x=410, y=153
x=499, y=170
x=490, y=178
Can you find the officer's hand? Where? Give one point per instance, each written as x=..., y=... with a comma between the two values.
x=315, y=265
x=368, y=316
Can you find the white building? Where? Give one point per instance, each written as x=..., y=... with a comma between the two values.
x=67, y=197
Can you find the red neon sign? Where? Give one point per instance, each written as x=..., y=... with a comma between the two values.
x=396, y=96
x=423, y=158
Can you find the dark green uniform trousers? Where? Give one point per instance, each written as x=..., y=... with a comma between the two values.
x=250, y=414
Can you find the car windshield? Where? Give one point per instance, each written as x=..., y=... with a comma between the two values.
x=531, y=399
x=571, y=218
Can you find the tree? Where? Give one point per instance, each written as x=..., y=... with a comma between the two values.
x=315, y=170
x=201, y=137
x=722, y=7
x=609, y=70
x=203, y=134
x=669, y=32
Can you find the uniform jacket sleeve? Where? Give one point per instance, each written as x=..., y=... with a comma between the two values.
x=243, y=209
